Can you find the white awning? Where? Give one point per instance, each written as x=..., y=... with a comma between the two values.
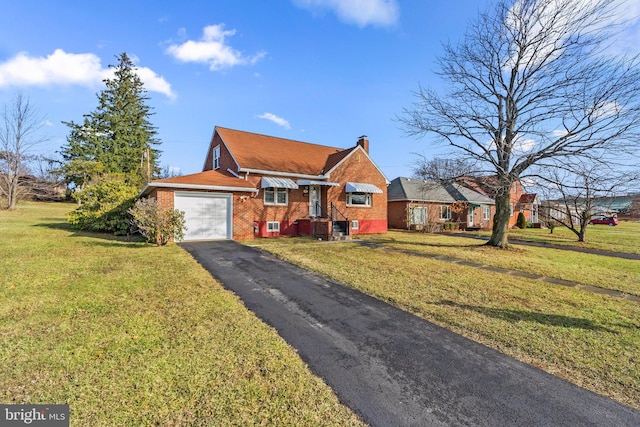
x=359, y=187
x=277, y=182
x=312, y=182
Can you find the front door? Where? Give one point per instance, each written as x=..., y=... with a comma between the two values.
x=470, y=216
x=314, y=201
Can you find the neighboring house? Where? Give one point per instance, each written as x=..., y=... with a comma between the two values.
x=520, y=201
x=624, y=207
x=255, y=185
x=529, y=204
x=415, y=204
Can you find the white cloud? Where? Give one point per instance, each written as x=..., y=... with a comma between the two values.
x=47, y=123
x=62, y=68
x=275, y=119
x=212, y=49
x=383, y=13
x=155, y=83
x=621, y=17
x=523, y=145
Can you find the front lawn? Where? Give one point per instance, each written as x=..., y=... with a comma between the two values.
x=605, y=272
x=130, y=334
x=625, y=237
x=590, y=339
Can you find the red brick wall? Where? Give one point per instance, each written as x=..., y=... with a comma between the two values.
x=164, y=197
x=515, y=192
x=226, y=160
x=358, y=168
x=398, y=214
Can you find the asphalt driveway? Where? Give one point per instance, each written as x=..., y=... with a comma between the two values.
x=393, y=368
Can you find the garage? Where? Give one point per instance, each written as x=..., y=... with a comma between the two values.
x=207, y=215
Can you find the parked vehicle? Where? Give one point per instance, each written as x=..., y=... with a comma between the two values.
x=606, y=220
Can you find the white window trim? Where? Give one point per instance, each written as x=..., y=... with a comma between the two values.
x=486, y=213
x=273, y=226
x=275, y=191
x=448, y=212
x=216, y=157
x=424, y=215
x=355, y=224
x=368, y=201
x=511, y=211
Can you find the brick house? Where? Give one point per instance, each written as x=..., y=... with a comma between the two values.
x=416, y=204
x=520, y=201
x=256, y=185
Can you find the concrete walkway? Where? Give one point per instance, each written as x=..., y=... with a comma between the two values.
x=393, y=368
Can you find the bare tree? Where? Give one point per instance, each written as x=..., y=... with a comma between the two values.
x=443, y=170
x=18, y=136
x=575, y=193
x=532, y=80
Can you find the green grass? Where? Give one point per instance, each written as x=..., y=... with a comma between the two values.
x=625, y=237
x=605, y=272
x=131, y=334
x=590, y=339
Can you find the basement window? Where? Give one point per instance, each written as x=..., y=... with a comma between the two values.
x=273, y=226
x=355, y=224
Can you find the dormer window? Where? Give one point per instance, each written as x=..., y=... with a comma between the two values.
x=216, y=157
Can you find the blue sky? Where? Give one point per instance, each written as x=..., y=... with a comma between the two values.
x=321, y=71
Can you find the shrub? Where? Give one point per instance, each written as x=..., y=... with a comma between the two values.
x=157, y=224
x=104, y=206
x=522, y=221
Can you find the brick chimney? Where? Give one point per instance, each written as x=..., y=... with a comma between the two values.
x=364, y=143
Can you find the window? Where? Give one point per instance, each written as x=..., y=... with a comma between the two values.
x=515, y=188
x=511, y=209
x=276, y=196
x=358, y=199
x=273, y=226
x=355, y=224
x=216, y=157
x=445, y=212
x=486, y=210
x=419, y=215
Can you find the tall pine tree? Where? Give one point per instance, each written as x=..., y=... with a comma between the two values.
x=118, y=135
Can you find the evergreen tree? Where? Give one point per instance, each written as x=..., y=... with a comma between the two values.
x=118, y=135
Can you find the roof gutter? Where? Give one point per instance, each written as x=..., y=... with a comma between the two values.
x=276, y=173
x=147, y=189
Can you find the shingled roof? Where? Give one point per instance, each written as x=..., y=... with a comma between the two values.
x=411, y=189
x=268, y=153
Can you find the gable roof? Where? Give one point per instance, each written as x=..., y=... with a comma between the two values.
x=256, y=152
x=529, y=198
x=411, y=189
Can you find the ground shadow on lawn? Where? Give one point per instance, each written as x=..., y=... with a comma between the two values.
x=65, y=226
x=383, y=241
x=515, y=316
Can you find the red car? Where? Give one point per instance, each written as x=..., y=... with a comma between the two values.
x=607, y=220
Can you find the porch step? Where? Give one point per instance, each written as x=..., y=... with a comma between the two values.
x=340, y=237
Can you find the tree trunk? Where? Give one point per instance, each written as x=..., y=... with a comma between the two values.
x=581, y=236
x=499, y=235
x=13, y=195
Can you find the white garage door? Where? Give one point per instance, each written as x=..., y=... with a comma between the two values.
x=207, y=215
